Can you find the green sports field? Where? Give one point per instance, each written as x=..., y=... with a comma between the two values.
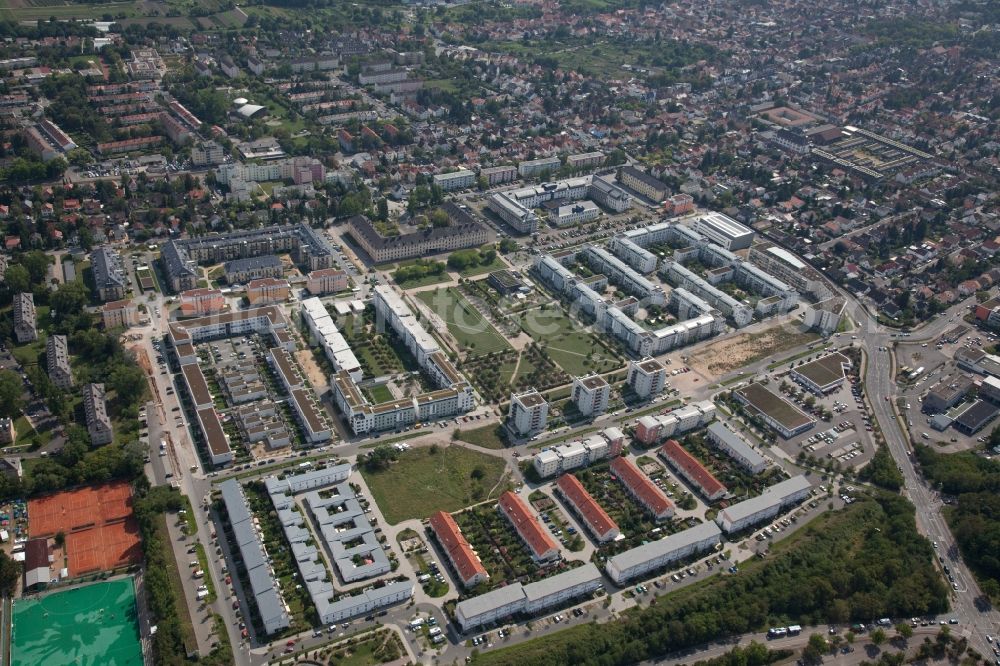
x=86, y=626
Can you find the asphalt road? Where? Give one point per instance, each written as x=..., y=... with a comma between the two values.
x=976, y=619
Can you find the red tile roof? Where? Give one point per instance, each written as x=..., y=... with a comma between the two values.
x=693, y=470
x=642, y=487
x=526, y=524
x=598, y=521
x=462, y=557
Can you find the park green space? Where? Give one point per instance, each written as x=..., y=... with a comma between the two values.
x=476, y=335
x=429, y=479
x=495, y=265
x=573, y=349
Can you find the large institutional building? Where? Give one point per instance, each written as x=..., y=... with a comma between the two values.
x=462, y=232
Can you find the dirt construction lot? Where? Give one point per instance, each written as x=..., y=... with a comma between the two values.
x=734, y=352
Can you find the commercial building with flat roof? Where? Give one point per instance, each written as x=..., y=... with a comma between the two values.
x=459, y=553
x=779, y=414
x=540, y=545
x=642, y=489
x=765, y=506
x=593, y=517
x=518, y=599
x=737, y=448
x=976, y=417
x=724, y=230
x=660, y=553
x=528, y=413
x=691, y=470
x=823, y=375
x=947, y=393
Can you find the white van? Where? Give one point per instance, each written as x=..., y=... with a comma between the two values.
x=416, y=623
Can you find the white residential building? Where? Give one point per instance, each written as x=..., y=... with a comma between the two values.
x=591, y=394
x=647, y=377
x=529, y=413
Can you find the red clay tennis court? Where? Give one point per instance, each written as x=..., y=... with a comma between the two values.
x=79, y=509
x=103, y=548
x=101, y=533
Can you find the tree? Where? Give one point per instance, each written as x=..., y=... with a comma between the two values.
x=70, y=299
x=129, y=384
x=380, y=458
x=11, y=394
x=815, y=649
x=18, y=279
x=904, y=630
x=878, y=637
x=10, y=574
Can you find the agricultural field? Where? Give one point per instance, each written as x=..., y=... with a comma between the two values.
x=465, y=324
x=429, y=479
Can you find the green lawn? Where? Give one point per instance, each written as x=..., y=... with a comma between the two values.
x=380, y=393
x=466, y=325
x=496, y=265
x=425, y=480
x=574, y=350
x=487, y=436
x=423, y=282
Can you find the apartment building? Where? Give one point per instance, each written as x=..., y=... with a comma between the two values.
x=531, y=599
x=765, y=506
x=47, y=140
x=591, y=394
x=301, y=399
x=110, y=280
x=651, y=428
x=558, y=459
x=691, y=470
x=647, y=377
x=531, y=168
x=326, y=281
x=202, y=301
x=120, y=314
x=521, y=219
x=325, y=334
x=25, y=324
x=642, y=489
x=658, y=554
x=540, y=545
x=585, y=160
x=499, y=175
x=455, y=180
x=96, y=412
x=309, y=248
x=575, y=213
x=633, y=254
x=57, y=361
x=463, y=559
x=268, y=290
x=207, y=153
x=528, y=414
x=586, y=508
x=736, y=448
x=253, y=268
x=639, y=181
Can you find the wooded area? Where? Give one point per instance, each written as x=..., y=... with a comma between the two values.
x=975, y=517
